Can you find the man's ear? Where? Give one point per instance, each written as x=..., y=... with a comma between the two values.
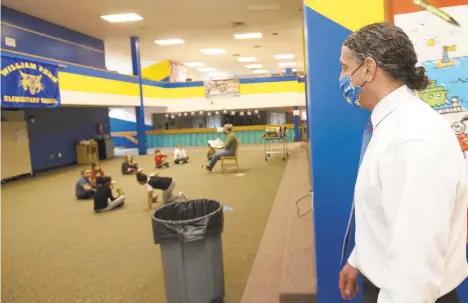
x=371, y=69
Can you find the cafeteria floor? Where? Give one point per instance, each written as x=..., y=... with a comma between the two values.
x=55, y=249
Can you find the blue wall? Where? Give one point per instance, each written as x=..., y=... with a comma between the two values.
x=60, y=43
x=57, y=130
x=336, y=131
x=118, y=125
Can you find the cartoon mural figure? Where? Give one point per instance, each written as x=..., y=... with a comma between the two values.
x=31, y=83
x=446, y=61
x=461, y=130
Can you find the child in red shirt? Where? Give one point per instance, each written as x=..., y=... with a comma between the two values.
x=96, y=172
x=159, y=159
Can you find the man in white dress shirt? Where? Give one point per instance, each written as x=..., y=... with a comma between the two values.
x=411, y=191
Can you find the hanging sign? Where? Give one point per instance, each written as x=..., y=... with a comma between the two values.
x=27, y=83
x=222, y=88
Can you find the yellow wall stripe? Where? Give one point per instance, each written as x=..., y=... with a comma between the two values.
x=82, y=83
x=350, y=14
x=270, y=87
x=158, y=71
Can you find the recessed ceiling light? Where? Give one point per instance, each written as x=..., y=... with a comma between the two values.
x=122, y=17
x=287, y=64
x=260, y=71
x=247, y=59
x=194, y=64
x=213, y=51
x=284, y=56
x=248, y=36
x=169, y=42
x=254, y=66
x=206, y=69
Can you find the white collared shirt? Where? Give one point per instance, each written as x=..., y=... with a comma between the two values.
x=411, y=202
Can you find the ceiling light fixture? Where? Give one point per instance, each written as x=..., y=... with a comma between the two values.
x=213, y=51
x=260, y=71
x=194, y=64
x=248, y=36
x=254, y=66
x=169, y=42
x=206, y=69
x=287, y=64
x=246, y=59
x=284, y=56
x=122, y=18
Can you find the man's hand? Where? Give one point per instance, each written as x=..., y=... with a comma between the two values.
x=349, y=282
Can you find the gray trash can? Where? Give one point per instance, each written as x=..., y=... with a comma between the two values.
x=191, y=248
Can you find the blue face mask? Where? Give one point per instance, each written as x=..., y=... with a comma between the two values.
x=351, y=92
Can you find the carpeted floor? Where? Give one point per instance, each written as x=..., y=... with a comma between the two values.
x=55, y=249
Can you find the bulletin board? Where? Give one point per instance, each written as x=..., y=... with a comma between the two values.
x=16, y=157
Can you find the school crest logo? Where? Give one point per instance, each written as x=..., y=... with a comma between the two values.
x=31, y=83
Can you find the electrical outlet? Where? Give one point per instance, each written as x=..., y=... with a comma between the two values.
x=59, y=155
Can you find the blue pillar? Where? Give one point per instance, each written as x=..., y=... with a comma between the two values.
x=335, y=129
x=139, y=110
x=297, y=117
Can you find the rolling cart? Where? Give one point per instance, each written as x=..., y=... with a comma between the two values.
x=274, y=135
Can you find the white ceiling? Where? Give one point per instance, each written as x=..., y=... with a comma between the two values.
x=200, y=23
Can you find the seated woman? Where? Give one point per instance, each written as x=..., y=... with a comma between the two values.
x=96, y=171
x=210, y=153
x=104, y=200
x=129, y=166
x=228, y=149
x=83, y=188
x=180, y=155
x=153, y=182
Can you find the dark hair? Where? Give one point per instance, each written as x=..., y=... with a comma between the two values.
x=93, y=166
x=103, y=181
x=392, y=50
x=141, y=177
x=157, y=151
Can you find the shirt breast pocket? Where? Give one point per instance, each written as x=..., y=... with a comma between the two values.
x=368, y=186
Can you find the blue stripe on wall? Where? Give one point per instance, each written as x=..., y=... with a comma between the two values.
x=268, y=79
x=336, y=137
x=38, y=45
x=15, y=17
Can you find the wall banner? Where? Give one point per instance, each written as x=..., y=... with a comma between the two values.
x=222, y=88
x=28, y=83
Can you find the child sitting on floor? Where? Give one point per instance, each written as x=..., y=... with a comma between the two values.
x=129, y=166
x=180, y=155
x=159, y=159
x=104, y=200
x=96, y=172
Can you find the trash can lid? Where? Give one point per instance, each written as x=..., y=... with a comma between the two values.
x=187, y=212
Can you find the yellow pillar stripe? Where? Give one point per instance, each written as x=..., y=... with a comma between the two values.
x=351, y=14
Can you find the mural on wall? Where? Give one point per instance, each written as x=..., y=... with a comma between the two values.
x=439, y=34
